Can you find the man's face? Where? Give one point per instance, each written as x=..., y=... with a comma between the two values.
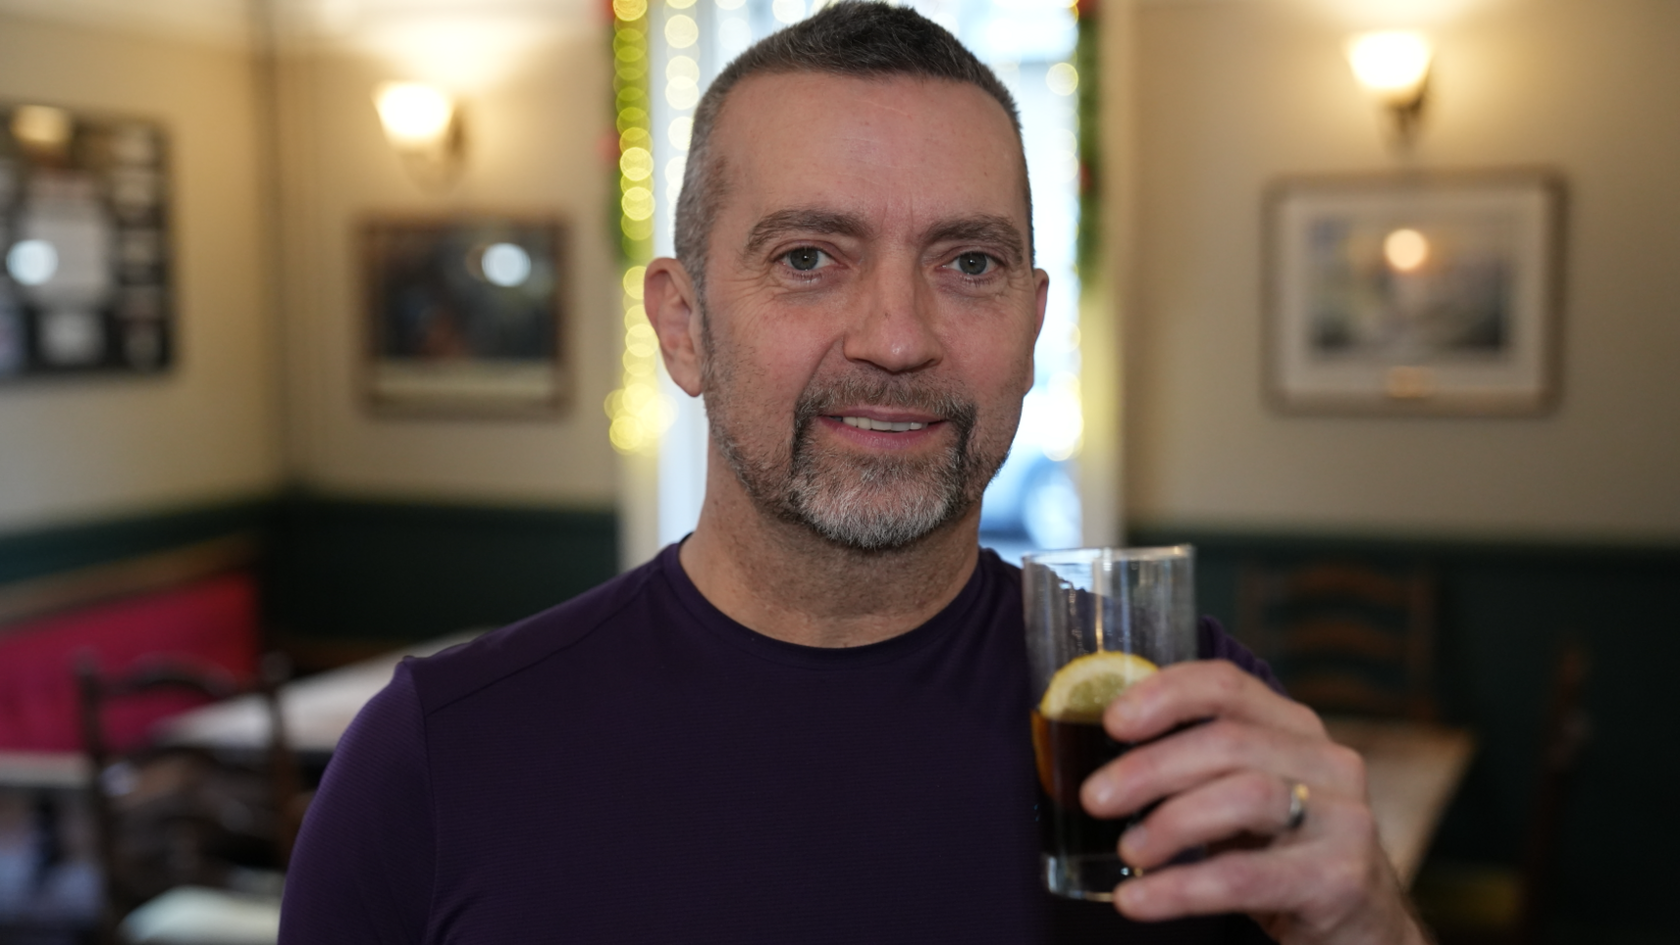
x=870, y=304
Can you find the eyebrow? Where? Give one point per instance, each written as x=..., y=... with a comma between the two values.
x=985, y=228
x=998, y=231
x=784, y=222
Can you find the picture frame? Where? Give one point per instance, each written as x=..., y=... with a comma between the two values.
x=1414, y=294
x=465, y=315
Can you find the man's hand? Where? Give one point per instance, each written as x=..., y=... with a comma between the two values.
x=1324, y=881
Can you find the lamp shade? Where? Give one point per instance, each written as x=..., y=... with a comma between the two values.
x=414, y=115
x=1391, y=64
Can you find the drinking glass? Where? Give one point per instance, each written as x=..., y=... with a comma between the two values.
x=1136, y=601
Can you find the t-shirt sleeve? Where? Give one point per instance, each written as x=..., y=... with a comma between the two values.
x=1213, y=643
x=363, y=866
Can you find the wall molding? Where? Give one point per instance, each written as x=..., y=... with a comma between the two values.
x=35, y=597
x=46, y=551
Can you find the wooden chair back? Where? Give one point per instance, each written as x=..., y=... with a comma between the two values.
x=1468, y=903
x=1344, y=637
x=1567, y=732
x=161, y=815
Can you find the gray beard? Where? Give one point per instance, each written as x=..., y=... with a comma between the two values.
x=865, y=504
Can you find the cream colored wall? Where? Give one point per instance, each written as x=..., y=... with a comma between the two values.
x=80, y=449
x=536, y=124
x=1233, y=94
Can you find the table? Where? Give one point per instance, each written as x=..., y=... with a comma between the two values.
x=316, y=709
x=43, y=770
x=1413, y=768
x=39, y=867
x=1412, y=771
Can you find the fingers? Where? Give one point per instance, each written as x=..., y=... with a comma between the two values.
x=1317, y=873
x=1230, y=777
x=1234, y=881
x=1205, y=754
x=1248, y=802
x=1186, y=692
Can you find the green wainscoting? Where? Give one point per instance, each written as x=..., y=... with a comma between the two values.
x=42, y=552
x=343, y=577
x=380, y=572
x=1504, y=608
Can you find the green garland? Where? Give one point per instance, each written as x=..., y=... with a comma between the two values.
x=637, y=409
x=1086, y=56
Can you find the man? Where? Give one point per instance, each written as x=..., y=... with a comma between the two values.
x=808, y=722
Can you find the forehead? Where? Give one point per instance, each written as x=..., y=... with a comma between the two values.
x=896, y=149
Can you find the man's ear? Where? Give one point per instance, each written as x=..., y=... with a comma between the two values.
x=1041, y=299
x=672, y=307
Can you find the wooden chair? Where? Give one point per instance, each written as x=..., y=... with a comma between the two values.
x=168, y=819
x=1344, y=638
x=1483, y=904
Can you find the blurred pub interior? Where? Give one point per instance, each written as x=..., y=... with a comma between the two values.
x=365, y=532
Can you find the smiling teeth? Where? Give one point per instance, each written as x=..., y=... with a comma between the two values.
x=864, y=423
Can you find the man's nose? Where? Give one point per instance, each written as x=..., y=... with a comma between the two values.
x=894, y=328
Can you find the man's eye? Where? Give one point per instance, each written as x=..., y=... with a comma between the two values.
x=973, y=264
x=805, y=258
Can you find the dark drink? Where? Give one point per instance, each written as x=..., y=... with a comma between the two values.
x=1099, y=620
x=1080, y=851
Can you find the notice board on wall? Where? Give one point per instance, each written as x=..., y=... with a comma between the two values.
x=84, y=229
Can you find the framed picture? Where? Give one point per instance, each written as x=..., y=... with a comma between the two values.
x=465, y=315
x=85, y=287
x=1414, y=294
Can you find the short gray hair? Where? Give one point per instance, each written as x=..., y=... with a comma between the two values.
x=858, y=38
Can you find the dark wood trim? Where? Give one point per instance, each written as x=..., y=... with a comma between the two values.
x=36, y=597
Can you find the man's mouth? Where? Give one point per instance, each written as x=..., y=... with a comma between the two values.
x=881, y=426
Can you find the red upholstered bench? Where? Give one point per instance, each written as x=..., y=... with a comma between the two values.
x=210, y=621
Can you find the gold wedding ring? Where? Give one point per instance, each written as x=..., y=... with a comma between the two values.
x=1298, y=794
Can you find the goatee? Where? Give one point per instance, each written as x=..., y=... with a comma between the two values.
x=865, y=503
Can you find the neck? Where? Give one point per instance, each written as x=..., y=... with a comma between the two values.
x=785, y=581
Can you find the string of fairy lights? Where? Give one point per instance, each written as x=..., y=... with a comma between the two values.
x=637, y=409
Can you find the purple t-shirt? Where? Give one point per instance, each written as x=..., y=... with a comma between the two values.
x=633, y=766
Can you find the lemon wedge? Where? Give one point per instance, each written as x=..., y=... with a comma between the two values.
x=1081, y=690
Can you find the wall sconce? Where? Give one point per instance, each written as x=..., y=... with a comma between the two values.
x=1393, y=65
x=423, y=126
x=43, y=131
